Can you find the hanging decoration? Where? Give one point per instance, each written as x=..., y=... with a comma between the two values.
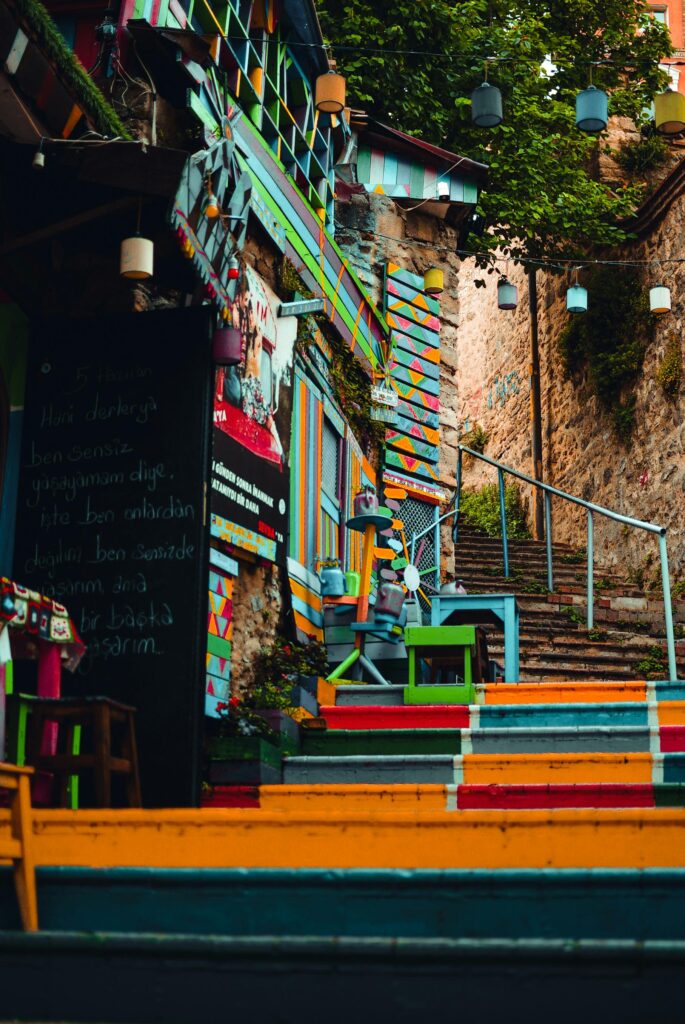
x=434, y=281
x=669, y=112
x=576, y=296
x=136, y=256
x=507, y=293
x=660, y=299
x=329, y=92
x=592, y=109
x=486, y=104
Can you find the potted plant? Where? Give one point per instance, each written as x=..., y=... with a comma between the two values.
x=244, y=750
x=285, y=672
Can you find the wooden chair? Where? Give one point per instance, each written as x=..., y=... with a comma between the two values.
x=18, y=847
x=97, y=718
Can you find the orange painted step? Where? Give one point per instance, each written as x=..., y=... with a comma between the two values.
x=334, y=797
x=514, y=769
x=241, y=837
x=560, y=693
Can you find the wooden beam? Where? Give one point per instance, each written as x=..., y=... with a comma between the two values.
x=62, y=226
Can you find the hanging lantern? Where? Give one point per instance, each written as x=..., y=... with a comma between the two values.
x=507, y=294
x=329, y=93
x=136, y=258
x=592, y=110
x=660, y=299
x=227, y=346
x=444, y=190
x=486, y=104
x=433, y=281
x=669, y=112
x=576, y=299
x=210, y=206
x=233, y=269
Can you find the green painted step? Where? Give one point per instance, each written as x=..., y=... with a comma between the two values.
x=342, y=742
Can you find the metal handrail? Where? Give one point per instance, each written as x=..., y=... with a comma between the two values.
x=591, y=509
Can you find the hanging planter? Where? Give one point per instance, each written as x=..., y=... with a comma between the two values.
x=507, y=294
x=669, y=112
x=660, y=299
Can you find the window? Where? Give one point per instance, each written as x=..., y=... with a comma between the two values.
x=660, y=14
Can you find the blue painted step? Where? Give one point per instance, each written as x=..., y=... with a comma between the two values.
x=384, y=769
x=494, y=716
x=594, y=739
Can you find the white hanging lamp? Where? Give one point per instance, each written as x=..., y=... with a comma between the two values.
x=136, y=255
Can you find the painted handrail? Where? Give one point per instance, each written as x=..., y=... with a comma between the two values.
x=591, y=509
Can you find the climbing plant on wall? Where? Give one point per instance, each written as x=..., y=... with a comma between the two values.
x=610, y=341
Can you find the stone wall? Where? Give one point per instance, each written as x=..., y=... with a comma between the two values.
x=582, y=455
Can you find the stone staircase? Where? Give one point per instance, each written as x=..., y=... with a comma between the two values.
x=628, y=639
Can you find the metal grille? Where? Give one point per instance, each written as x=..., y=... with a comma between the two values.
x=417, y=516
x=330, y=451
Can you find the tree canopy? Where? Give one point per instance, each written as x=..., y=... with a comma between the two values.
x=543, y=196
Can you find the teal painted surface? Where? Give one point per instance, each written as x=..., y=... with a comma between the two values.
x=596, y=904
x=493, y=716
x=335, y=742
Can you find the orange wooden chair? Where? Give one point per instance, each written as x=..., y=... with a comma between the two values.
x=18, y=846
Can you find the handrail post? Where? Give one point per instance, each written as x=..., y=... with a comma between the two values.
x=457, y=498
x=590, y=571
x=548, y=541
x=668, y=610
x=503, y=520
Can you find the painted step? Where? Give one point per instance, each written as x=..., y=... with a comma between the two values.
x=382, y=799
x=625, y=713
x=345, y=742
x=564, y=739
x=600, y=904
x=388, y=769
x=565, y=768
x=584, y=691
x=247, y=837
x=359, y=695
x=496, y=797
x=427, y=716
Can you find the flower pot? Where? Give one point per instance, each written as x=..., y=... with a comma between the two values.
x=285, y=728
x=366, y=503
x=244, y=761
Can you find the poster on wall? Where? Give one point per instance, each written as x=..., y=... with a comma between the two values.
x=251, y=438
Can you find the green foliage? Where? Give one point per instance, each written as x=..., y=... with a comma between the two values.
x=678, y=589
x=541, y=195
x=42, y=28
x=670, y=372
x=598, y=635
x=352, y=388
x=574, y=557
x=573, y=614
x=654, y=665
x=480, y=509
x=644, y=154
x=475, y=438
x=534, y=587
x=276, y=669
x=610, y=340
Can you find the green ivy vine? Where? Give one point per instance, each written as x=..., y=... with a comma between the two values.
x=610, y=341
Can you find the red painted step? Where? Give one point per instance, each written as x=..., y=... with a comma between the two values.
x=479, y=797
x=429, y=716
x=231, y=796
x=672, y=739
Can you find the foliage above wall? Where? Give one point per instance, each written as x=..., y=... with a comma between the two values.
x=669, y=374
x=541, y=195
x=643, y=154
x=610, y=341
x=480, y=509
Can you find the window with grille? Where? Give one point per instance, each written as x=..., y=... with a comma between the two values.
x=417, y=516
x=330, y=462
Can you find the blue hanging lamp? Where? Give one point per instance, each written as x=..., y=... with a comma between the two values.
x=576, y=296
x=507, y=293
x=592, y=109
x=486, y=104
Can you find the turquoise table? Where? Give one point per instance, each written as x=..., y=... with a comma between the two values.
x=474, y=609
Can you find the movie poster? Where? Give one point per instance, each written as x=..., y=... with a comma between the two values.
x=251, y=437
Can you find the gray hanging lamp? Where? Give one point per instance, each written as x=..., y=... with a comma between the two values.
x=486, y=104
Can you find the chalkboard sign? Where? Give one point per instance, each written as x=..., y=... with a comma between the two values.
x=111, y=518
